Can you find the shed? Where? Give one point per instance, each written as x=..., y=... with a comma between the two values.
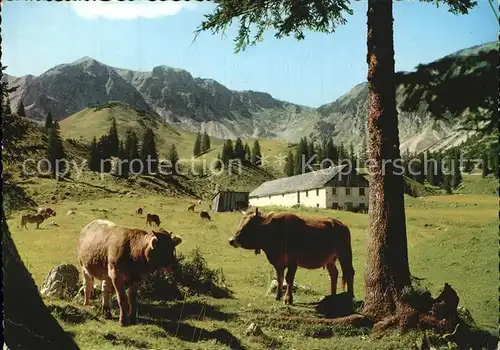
x=229, y=201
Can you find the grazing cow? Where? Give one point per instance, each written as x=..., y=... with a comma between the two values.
x=33, y=219
x=46, y=211
x=119, y=257
x=290, y=241
x=191, y=207
x=205, y=215
x=139, y=211
x=150, y=218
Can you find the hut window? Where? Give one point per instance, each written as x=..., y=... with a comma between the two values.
x=334, y=190
x=347, y=191
x=282, y=195
x=335, y=205
x=317, y=192
x=269, y=197
x=362, y=191
x=307, y=193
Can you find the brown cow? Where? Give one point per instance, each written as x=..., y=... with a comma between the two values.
x=290, y=241
x=139, y=211
x=33, y=219
x=150, y=218
x=191, y=207
x=119, y=256
x=205, y=215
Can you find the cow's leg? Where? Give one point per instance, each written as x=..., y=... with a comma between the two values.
x=107, y=289
x=290, y=276
x=119, y=285
x=348, y=274
x=88, y=282
x=132, y=303
x=334, y=275
x=280, y=274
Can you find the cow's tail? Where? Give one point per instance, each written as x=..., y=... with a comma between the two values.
x=346, y=262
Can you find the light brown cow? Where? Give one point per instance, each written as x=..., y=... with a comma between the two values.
x=139, y=211
x=33, y=219
x=150, y=218
x=290, y=241
x=119, y=256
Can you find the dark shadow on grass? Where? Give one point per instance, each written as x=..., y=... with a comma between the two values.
x=71, y=314
x=184, y=310
x=170, y=317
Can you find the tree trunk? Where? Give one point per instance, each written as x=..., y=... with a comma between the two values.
x=387, y=269
x=27, y=321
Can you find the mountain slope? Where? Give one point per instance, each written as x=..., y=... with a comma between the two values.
x=194, y=104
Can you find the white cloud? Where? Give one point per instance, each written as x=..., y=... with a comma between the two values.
x=125, y=10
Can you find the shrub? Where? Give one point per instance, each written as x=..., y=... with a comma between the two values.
x=192, y=277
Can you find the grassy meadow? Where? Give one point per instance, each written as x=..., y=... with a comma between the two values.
x=451, y=239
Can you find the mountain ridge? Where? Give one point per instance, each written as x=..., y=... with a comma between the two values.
x=203, y=104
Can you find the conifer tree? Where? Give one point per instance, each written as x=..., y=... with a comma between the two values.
x=248, y=153
x=227, y=152
x=114, y=141
x=20, y=110
x=289, y=166
x=197, y=145
x=447, y=183
x=93, y=158
x=485, y=168
x=48, y=122
x=256, y=153
x=55, y=150
x=239, y=150
x=149, y=151
x=205, y=144
x=173, y=156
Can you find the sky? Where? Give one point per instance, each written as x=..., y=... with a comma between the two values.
x=141, y=35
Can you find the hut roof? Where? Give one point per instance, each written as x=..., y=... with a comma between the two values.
x=302, y=182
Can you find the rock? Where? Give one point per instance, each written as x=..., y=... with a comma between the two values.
x=61, y=282
x=254, y=329
x=338, y=305
x=52, y=223
x=295, y=288
x=70, y=212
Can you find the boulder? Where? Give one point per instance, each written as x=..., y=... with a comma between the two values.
x=254, y=329
x=61, y=282
x=295, y=288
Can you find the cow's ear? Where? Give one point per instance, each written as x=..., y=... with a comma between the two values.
x=177, y=240
x=154, y=242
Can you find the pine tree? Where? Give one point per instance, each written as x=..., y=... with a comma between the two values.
x=197, y=145
x=311, y=152
x=55, y=150
x=93, y=158
x=149, y=151
x=456, y=178
x=227, y=152
x=132, y=151
x=248, y=153
x=239, y=150
x=387, y=271
x=114, y=141
x=48, y=123
x=331, y=152
x=205, y=144
x=104, y=154
x=363, y=154
x=352, y=155
x=6, y=107
x=125, y=166
x=289, y=166
x=300, y=160
x=218, y=164
x=431, y=170
x=447, y=183
x=256, y=153
x=420, y=169
x=20, y=110
x=173, y=156
x=486, y=170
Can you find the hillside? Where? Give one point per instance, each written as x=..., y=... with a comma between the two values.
x=429, y=114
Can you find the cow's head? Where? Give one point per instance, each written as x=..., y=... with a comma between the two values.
x=160, y=251
x=248, y=234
